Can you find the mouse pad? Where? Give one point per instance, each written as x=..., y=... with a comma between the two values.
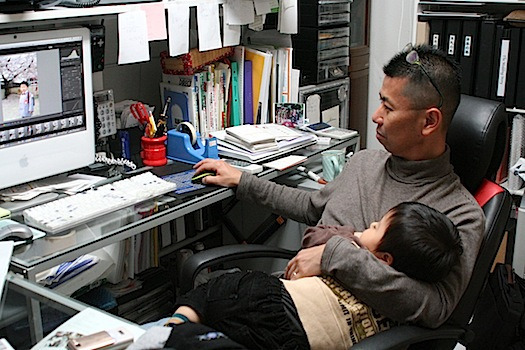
x=36, y=233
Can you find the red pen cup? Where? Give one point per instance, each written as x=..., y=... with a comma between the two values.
x=153, y=151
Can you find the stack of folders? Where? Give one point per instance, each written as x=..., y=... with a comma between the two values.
x=256, y=143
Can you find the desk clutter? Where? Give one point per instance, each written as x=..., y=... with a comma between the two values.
x=68, y=212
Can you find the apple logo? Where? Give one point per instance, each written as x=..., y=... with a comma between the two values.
x=24, y=162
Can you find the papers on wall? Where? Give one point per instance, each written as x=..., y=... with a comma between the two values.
x=238, y=12
x=208, y=26
x=86, y=322
x=156, y=21
x=133, y=37
x=231, y=34
x=178, y=22
x=287, y=21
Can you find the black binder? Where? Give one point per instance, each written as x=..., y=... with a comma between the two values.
x=453, y=38
x=483, y=77
x=520, y=86
x=437, y=32
x=469, y=54
x=499, y=67
x=512, y=67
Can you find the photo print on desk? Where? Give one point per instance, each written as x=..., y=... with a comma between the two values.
x=290, y=114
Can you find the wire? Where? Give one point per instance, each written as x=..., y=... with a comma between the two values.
x=115, y=161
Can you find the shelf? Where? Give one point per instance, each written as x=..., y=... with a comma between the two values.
x=189, y=240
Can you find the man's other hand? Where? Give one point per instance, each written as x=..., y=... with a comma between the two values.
x=306, y=263
x=225, y=174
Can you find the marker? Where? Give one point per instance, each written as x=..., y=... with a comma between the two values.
x=312, y=175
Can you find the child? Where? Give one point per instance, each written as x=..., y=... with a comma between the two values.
x=26, y=102
x=264, y=312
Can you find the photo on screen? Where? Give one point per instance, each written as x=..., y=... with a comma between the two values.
x=19, y=86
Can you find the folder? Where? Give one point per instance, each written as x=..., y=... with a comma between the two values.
x=499, y=67
x=236, y=114
x=248, y=94
x=469, y=54
x=452, y=40
x=512, y=67
x=261, y=70
x=520, y=86
x=483, y=77
x=437, y=26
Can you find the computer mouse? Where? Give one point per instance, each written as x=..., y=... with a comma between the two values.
x=197, y=179
x=15, y=232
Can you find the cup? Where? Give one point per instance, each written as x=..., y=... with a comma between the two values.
x=333, y=163
x=154, y=151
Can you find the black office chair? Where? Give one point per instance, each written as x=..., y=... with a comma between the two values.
x=477, y=138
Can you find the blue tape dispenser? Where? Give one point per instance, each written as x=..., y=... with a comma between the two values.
x=185, y=145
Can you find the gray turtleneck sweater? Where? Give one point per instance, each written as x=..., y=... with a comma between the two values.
x=372, y=182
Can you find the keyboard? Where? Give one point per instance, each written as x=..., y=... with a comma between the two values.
x=68, y=212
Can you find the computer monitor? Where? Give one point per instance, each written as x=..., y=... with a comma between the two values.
x=46, y=105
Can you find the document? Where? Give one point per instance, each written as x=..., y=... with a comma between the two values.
x=208, y=26
x=86, y=322
x=178, y=22
x=156, y=19
x=231, y=34
x=133, y=37
x=238, y=12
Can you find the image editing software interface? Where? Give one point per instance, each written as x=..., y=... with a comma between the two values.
x=46, y=106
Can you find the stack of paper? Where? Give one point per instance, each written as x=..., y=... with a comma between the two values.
x=255, y=143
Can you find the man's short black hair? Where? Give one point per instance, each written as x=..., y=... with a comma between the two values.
x=423, y=242
x=444, y=71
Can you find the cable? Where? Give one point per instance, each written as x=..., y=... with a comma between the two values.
x=115, y=161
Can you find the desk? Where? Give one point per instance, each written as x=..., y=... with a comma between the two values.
x=50, y=251
x=14, y=309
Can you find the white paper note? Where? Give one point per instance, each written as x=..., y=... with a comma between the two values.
x=288, y=17
x=133, y=37
x=239, y=12
x=178, y=28
x=156, y=19
x=262, y=6
x=6, y=250
x=209, y=26
x=231, y=35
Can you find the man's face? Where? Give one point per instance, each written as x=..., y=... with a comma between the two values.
x=399, y=126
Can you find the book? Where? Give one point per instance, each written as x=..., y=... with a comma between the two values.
x=261, y=71
x=248, y=94
x=250, y=134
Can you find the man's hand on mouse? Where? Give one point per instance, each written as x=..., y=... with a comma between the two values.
x=226, y=175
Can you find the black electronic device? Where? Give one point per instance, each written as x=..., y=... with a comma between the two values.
x=198, y=178
x=98, y=44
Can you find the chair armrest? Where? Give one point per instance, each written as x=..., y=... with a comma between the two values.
x=227, y=253
x=401, y=337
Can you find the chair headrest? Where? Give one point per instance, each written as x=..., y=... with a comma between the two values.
x=477, y=139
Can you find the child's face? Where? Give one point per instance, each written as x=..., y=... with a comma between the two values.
x=372, y=236
x=23, y=88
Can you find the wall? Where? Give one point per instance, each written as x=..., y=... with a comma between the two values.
x=392, y=26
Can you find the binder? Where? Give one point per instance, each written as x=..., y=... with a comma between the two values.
x=236, y=113
x=499, y=67
x=248, y=94
x=437, y=26
x=512, y=67
x=520, y=86
x=469, y=54
x=452, y=41
x=483, y=77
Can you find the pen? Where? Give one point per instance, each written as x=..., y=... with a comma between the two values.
x=312, y=175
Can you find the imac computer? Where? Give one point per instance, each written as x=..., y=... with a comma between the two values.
x=46, y=105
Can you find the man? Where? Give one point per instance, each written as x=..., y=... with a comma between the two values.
x=26, y=103
x=419, y=96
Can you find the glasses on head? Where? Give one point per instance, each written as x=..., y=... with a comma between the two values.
x=412, y=57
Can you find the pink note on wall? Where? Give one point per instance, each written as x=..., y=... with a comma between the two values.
x=156, y=19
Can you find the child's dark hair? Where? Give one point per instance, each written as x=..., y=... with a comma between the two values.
x=24, y=83
x=423, y=242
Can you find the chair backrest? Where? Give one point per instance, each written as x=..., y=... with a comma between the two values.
x=477, y=139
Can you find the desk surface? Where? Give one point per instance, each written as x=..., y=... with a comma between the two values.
x=52, y=250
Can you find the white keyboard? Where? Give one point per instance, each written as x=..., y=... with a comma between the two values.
x=68, y=212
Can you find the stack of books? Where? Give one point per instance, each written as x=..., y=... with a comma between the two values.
x=261, y=142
